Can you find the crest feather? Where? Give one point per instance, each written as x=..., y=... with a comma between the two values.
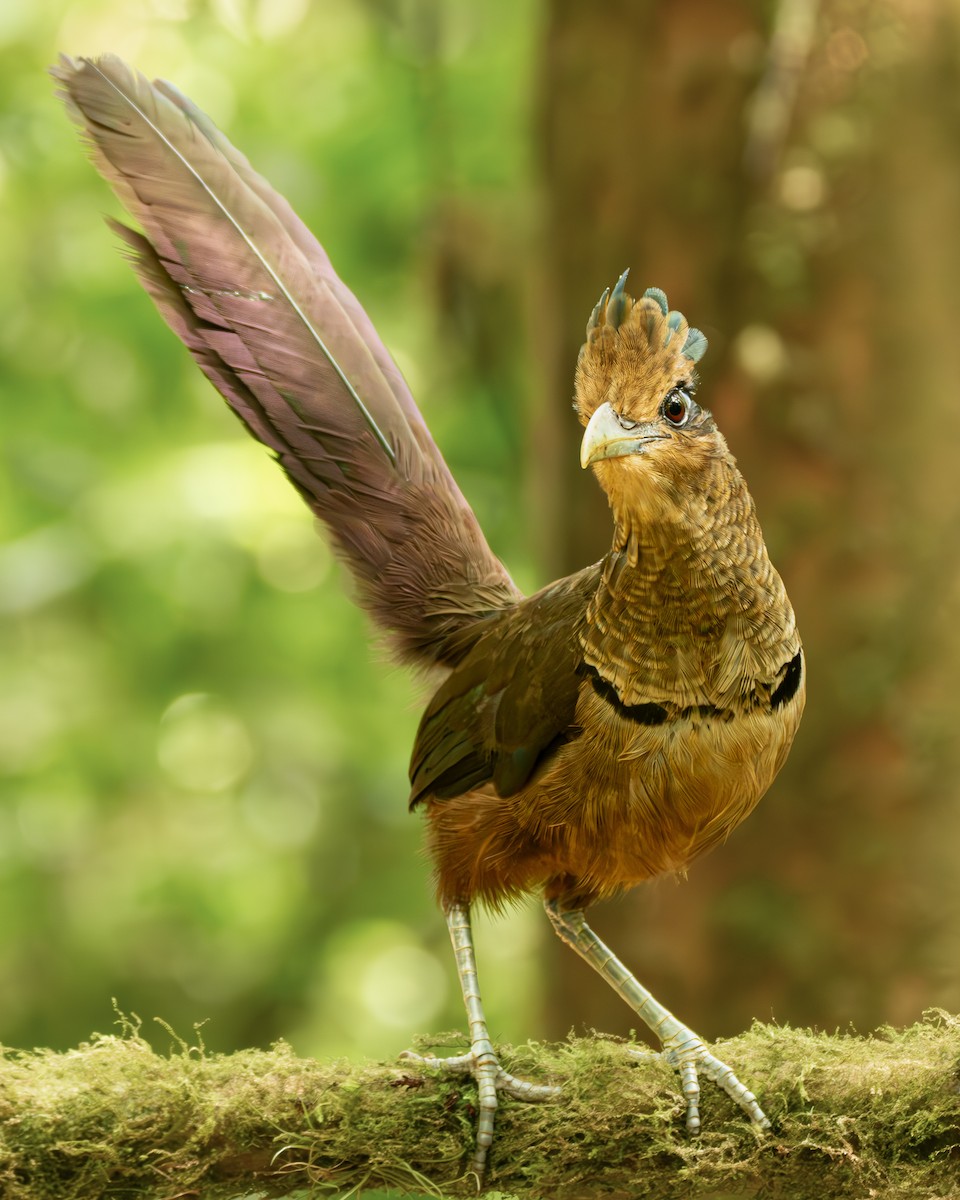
x=617, y=310
x=645, y=329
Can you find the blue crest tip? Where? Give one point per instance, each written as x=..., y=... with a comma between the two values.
x=616, y=305
x=655, y=293
x=695, y=347
x=595, y=315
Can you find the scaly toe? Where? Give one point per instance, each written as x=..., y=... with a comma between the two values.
x=491, y=1079
x=688, y=1055
x=466, y=1064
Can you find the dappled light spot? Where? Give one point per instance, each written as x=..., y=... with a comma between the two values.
x=275, y=19
x=404, y=986
x=803, y=187
x=201, y=745
x=43, y=565
x=375, y=987
x=846, y=49
x=232, y=482
x=760, y=352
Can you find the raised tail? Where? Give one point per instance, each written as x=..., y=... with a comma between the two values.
x=252, y=295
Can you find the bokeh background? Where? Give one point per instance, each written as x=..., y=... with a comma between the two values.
x=203, y=755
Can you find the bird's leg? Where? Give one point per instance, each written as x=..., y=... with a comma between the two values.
x=482, y=1061
x=681, y=1046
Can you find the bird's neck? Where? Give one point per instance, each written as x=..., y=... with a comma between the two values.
x=678, y=587
x=697, y=529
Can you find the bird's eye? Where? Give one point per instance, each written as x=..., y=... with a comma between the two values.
x=676, y=407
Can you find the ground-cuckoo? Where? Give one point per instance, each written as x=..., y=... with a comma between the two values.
x=602, y=732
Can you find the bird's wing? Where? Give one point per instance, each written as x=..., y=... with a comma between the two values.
x=510, y=701
x=250, y=292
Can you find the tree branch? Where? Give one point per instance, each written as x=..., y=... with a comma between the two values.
x=877, y=1116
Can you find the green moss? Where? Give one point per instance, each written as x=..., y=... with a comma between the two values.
x=877, y=1116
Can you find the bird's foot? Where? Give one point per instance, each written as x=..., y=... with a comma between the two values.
x=482, y=1063
x=684, y=1051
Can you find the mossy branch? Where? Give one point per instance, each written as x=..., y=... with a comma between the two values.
x=877, y=1116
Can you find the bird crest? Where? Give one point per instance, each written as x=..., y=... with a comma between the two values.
x=634, y=349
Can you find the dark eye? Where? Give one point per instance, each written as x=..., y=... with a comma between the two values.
x=676, y=407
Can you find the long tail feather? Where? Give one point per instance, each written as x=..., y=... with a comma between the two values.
x=253, y=296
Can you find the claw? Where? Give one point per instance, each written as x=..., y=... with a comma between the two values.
x=465, y=1064
x=684, y=1051
x=491, y=1079
x=481, y=1062
x=681, y=1046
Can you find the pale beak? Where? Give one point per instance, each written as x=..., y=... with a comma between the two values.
x=605, y=437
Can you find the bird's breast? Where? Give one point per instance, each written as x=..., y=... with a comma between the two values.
x=630, y=800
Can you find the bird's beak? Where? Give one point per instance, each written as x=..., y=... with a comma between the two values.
x=605, y=437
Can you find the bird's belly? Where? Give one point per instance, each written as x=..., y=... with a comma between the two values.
x=651, y=798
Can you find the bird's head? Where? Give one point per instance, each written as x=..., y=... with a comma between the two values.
x=648, y=440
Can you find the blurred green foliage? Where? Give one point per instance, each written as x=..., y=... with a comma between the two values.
x=202, y=760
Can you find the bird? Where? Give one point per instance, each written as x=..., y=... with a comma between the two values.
x=580, y=741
